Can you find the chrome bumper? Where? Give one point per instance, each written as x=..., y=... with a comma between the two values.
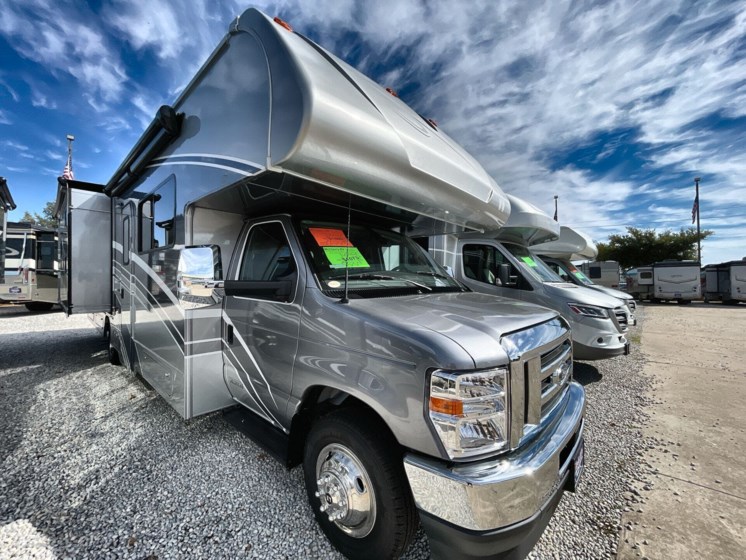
x=495, y=493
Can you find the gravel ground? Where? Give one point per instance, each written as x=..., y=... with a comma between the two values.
x=95, y=465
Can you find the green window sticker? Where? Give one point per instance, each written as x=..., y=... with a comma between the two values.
x=529, y=261
x=580, y=275
x=345, y=257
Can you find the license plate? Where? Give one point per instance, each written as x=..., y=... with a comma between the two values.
x=14, y=290
x=677, y=294
x=578, y=463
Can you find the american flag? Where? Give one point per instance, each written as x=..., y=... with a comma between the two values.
x=67, y=173
x=695, y=208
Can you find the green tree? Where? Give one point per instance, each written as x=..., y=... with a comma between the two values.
x=644, y=246
x=46, y=220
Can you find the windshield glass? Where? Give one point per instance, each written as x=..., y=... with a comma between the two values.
x=570, y=268
x=374, y=259
x=532, y=265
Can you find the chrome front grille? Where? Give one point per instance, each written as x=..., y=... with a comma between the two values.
x=540, y=369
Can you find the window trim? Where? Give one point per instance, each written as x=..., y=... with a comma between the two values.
x=126, y=240
x=170, y=179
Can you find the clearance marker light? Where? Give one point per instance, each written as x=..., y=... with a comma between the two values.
x=284, y=24
x=392, y=92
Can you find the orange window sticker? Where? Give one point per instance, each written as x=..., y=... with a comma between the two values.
x=328, y=237
x=345, y=257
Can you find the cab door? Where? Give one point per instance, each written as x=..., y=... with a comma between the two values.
x=261, y=319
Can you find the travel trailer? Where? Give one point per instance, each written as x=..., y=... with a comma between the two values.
x=260, y=256
x=602, y=273
x=503, y=263
x=6, y=205
x=30, y=267
x=726, y=282
x=574, y=245
x=665, y=281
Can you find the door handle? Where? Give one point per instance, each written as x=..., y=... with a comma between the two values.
x=229, y=334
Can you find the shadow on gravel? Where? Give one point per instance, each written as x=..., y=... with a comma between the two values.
x=585, y=374
x=29, y=360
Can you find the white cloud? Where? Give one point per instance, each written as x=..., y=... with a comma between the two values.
x=5, y=117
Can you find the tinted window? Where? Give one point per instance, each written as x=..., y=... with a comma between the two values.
x=595, y=272
x=156, y=213
x=267, y=256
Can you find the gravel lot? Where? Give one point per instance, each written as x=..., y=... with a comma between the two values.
x=94, y=464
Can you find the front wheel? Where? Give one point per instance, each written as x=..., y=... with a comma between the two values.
x=357, y=487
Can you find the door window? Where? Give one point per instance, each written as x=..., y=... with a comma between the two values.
x=267, y=256
x=482, y=262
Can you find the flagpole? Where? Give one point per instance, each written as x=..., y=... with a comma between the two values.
x=699, y=242
x=555, y=208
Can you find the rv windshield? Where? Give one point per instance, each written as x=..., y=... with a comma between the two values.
x=372, y=259
x=571, y=269
x=533, y=265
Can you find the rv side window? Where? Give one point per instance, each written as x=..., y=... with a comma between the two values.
x=157, y=212
x=126, y=240
x=595, y=272
x=267, y=257
x=646, y=275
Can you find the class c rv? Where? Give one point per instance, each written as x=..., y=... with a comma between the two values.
x=6, y=205
x=602, y=273
x=726, y=282
x=666, y=281
x=260, y=260
x=29, y=273
x=573, y=245
x=502, y=263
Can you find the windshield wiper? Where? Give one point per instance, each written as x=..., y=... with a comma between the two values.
x=434, y=274
x=371, y=276
x=363, y=276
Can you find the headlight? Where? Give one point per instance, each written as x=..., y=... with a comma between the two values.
x=588, y=310
x=469, y=412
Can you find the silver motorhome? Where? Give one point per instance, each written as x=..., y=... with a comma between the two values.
x=726, y=282
x=504, y=264
x=29, y=266
x=260, y=258
x=573, y=245
x=666, y=281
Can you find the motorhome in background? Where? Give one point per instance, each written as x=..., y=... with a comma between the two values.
x=6, y=205
x=30, y=267
x=603, y=273
x=503, y=263
x=665, y=281
x=573, y=245
x=726, y=282
x=354, y=353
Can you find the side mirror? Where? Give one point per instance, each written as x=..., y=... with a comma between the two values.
x=503, y=274
x=200, y=268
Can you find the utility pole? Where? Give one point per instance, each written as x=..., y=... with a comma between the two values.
x=696, y=203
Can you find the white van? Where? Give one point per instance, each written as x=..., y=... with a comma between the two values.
x=574, y=245
x=502, y=263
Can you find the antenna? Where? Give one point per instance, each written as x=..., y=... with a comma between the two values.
x=347, y=251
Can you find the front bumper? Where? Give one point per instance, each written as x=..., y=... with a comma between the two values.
x=482, y=509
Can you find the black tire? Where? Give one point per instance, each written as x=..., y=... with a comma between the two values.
x=38, y=305
x=388, y=526
x=684, y=301
x=112, y=352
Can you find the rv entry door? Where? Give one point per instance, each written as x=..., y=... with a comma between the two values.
x=122, y=278
x=261, y=320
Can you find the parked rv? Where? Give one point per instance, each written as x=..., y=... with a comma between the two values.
x=665, y=281
x=602, y=273
x=403, y=395
x=30, y=267
x=503, y=263
x=6, y=205
x=726, y=282
x=574, y=245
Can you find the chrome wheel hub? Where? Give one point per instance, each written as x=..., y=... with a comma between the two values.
x=345, y=491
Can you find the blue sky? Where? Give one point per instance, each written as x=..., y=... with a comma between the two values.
x=613, y=106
